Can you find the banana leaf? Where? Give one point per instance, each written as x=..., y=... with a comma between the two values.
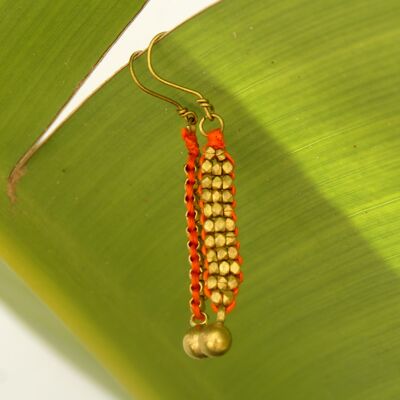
x=309, y=95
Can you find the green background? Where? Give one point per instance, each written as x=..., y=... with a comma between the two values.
x=309, y=94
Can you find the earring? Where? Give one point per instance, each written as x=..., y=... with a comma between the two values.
x=215, y=263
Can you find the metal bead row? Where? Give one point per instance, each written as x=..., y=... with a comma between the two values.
x=220, y=247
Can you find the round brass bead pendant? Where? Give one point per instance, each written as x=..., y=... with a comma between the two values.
x=191, y=342
x=203, y=341
x=215, y=340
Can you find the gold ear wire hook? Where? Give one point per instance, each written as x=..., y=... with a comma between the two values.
x=190, y=116
x=202, y=101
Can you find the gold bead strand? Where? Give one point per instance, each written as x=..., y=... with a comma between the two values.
x=222, y=262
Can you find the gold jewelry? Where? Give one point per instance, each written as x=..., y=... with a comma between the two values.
x=211, y=221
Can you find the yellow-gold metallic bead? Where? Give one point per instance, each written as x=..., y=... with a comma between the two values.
x=224, y=268
x=209, y=241
x=220, y=153
x=215, y=339
x=222, y=254
x=216, y=168
x=209, y=225
x=233, y=282
x=212, y=282
x=211, y=256
x=217, y=183
x=227, y=167
x=207, y=210
x=235, y=267
x=230, y=224
x=206, y=195
x=232, y=252
x=228, y=210
x=227, y=181
x=191, y=342
x=217, y=209
x=206, y=181
x=209, y=153
x=222, y=283
x=230, y=238
x=227, y=196
x=216, y=196
x=227, y=297
x=220, y=240
x=206, y=167
x=219, y=224
x=216, y=297
x=213, y=268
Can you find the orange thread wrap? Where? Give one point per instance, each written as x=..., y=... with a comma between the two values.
x=190, y=169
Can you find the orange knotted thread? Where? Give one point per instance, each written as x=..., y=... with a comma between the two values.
x=192, y=145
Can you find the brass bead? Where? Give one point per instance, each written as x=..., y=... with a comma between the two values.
x=230, y=238
x=208, y=210
x=209, y=153
x=219, y=224
x=230, y=224
x=227, y=297
x=219, y=240
x=213, y=268
x=233, y=282
x=209, y=241
x=216, y=196
x=206, y=167
x=221, y=314
x=222, y=283
x=206, y=181
x=209, y=225
x=220, y=153
x=212, y=282
x=227, y=181
x=232, y=252
x=216, y=168
x=216, y=297
x=215, y=339
x=206, y=195
x=211, y=256
x=217, y=209
x=217, y=182
x=222, y=254
x=227, y=167
x=224, y=268
x=235, y=267
x=228, y=210
x=227, y=196
x=191, y=342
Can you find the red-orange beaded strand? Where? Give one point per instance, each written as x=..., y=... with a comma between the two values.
x=190, y=140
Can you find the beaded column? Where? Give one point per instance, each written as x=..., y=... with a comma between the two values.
x=196, y=301
x=216, y=272
x=220, y=245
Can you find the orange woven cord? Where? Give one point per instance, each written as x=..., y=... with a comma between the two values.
x=192, y=232
x=222, y=262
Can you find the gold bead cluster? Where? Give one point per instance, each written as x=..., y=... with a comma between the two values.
x=220, y=245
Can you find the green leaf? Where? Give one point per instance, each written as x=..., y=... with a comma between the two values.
x=48, y=47
x=42, y=323
x=309, y=95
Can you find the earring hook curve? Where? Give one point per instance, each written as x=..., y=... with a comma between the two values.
x=201, y=100
x=190, y=116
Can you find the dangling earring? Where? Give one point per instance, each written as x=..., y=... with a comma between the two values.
x=211, y=222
